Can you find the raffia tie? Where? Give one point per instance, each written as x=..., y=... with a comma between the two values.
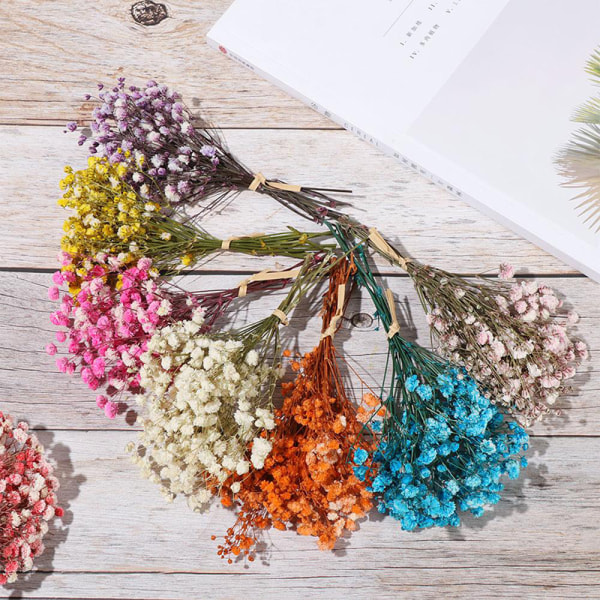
x=379, y=242
x=394, y=325
x=260, y=179
x=339, y=313
x=281, y=316
x=266, y=276
x=225, y=244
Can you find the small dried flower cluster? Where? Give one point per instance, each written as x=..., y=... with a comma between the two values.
x=27, y=498
x=108, y=323
x=109, y=215
x=151, y=130
x=445, y=452
x=522, y=353
x=205, y=402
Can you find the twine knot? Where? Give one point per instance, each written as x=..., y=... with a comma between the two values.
x=260, y=179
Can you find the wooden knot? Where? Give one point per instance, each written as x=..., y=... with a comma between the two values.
x=361, y=320
x=148, y=13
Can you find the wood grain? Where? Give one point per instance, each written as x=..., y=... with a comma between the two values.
x=539, y=542
x=395, y=582
x=430, y=224
x=53, y=53
x=28, y=377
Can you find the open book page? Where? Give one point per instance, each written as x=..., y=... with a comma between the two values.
x=377, y=63
x=476, y=94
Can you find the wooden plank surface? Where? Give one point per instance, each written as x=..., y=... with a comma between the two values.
x=120, y=539
x=56, y=52
x=117, y=541
x=427, y=222
x=28, y=376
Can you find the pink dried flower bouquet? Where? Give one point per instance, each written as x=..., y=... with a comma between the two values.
x=106, y=322
x=514, y=339
x=27, y=498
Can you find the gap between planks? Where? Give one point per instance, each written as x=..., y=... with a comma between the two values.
x=429, y=224
x=230, y=272
x=59, y=125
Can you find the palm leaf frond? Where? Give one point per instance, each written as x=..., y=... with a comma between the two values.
x=589, y=112
x=593, y=67
x=579, y=164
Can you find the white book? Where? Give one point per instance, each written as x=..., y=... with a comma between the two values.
x=477, y=95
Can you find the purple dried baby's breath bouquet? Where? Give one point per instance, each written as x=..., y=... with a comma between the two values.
x=183, y=156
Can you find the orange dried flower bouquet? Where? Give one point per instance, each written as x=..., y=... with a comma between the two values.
x=307, y=483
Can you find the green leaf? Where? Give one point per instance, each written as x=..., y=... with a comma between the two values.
x=588, y=113
x=579, y=164
x=593, y=67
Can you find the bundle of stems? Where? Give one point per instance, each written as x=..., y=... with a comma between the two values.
x=187, y=244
